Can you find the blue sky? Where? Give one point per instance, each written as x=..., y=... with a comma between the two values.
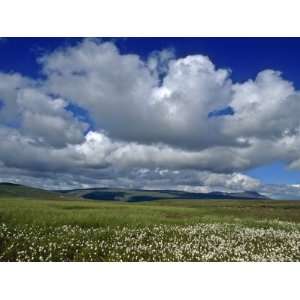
x=244, y=58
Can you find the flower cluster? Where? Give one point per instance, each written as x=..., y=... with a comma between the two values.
x=200, y=242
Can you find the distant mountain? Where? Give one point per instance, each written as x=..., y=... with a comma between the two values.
x=249, y=194
x=136, y=195
x=117, y=194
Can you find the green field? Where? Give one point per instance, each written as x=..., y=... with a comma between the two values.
x=59, y=229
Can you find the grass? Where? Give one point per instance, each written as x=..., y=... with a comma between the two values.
x=88, y=224
x=100, y=213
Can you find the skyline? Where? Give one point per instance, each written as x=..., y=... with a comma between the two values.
x=192, y=114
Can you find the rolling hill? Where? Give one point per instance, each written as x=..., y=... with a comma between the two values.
x=8, y=189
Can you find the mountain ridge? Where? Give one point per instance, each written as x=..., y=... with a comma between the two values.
x=121, y=194
x=135, y=195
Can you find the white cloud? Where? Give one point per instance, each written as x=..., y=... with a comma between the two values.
x=127, y=99
x=149, y=114
x=266, y=108
x=10, y=84
x=232, y=182
x=47, y=120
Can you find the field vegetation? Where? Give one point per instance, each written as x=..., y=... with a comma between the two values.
x=58, y=229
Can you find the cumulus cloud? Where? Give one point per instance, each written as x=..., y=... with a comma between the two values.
x=265, y=108
x=47, y=119
x=128, y=100
x=152, y=120
x=36, y=114
x=10, y=84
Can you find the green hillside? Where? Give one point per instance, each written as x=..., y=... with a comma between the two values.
x=21, y=191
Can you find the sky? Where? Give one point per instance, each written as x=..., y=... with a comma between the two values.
x=194, y=114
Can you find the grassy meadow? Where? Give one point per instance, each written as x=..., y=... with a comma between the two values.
x=66, y=229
